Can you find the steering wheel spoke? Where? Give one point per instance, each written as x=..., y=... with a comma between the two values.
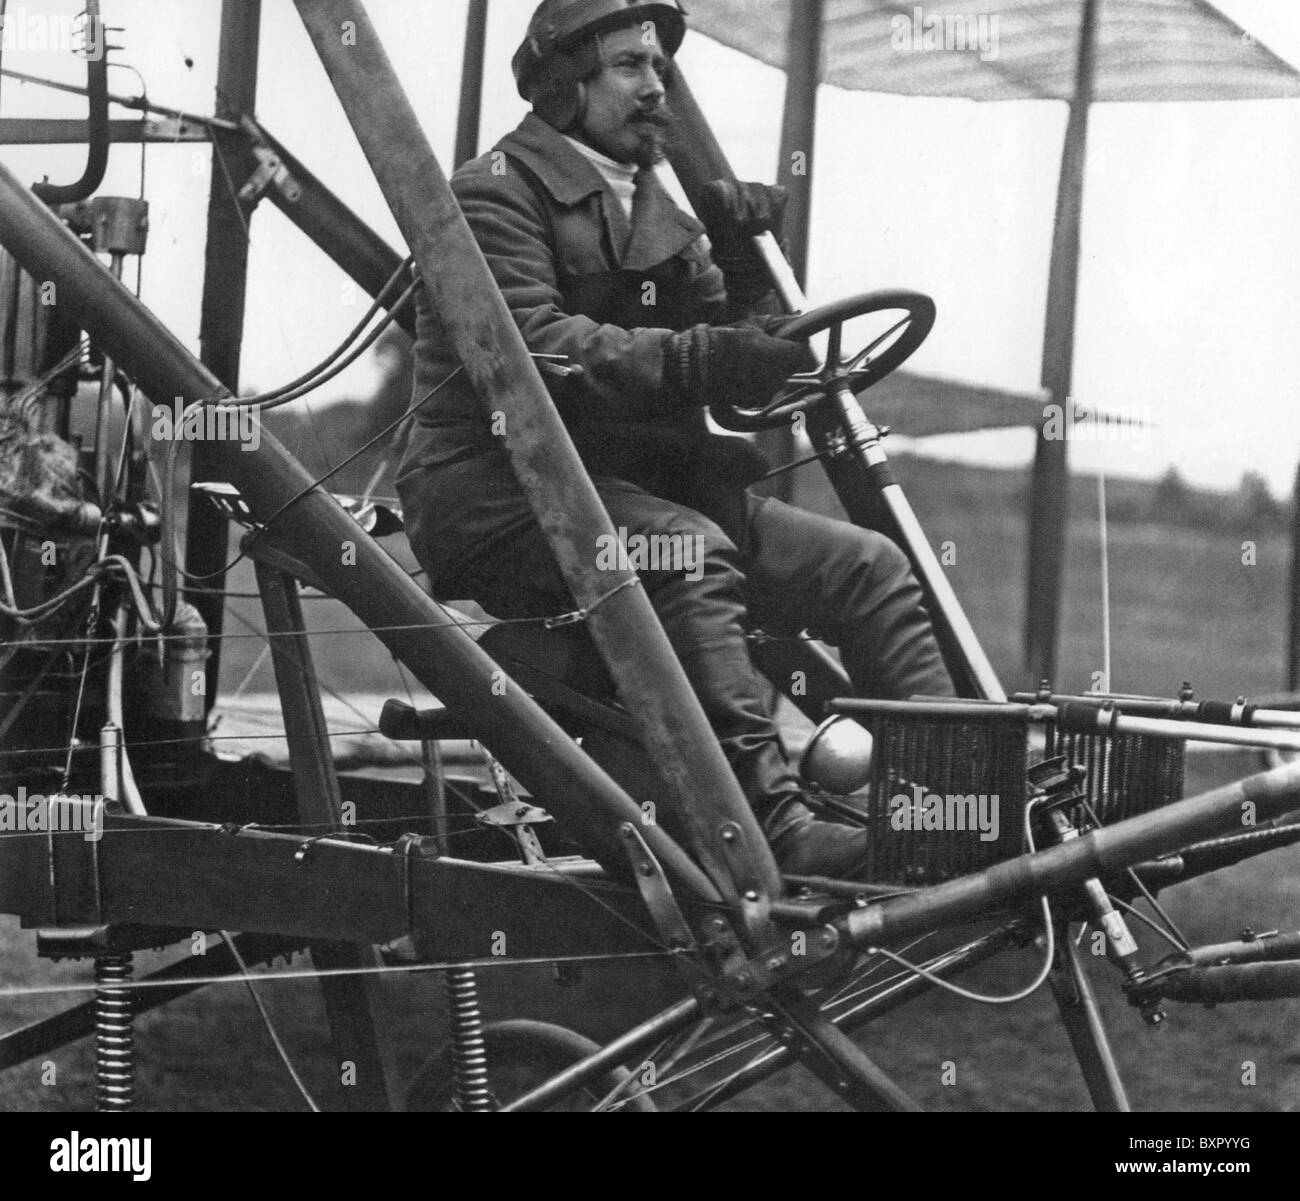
x=860, y=371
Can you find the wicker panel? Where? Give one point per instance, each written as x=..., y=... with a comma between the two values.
x=949, y=793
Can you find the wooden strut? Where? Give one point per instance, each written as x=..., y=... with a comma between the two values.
x=348, y=999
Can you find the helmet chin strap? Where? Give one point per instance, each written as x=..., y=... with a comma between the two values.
x=579, y=109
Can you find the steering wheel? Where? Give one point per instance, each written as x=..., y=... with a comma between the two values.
x=857, y=372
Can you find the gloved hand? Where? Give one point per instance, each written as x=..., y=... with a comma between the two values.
x=728, y=365
x=733, y=213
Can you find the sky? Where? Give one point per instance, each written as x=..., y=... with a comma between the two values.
x=1189, y=293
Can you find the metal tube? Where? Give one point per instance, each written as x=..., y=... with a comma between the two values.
x=881, y=1001
x=933, y=577
x=103, y=408
x=51, y=131
x=675, y=1018
x=444, y=658
x=1076, y=1002
x=799, y=125
x=1099, y=853
x=794, y=170
x=864, y=442
x=471, y=82
x=1107, y=721
x=1218, y=985
x=669, y=718
x=124, y=785
x=221, y=328
x=96, y=121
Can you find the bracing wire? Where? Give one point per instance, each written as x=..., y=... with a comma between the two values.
x=1104, y=541
x=280, y=1048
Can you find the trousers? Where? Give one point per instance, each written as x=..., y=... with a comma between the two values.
x=738, y=561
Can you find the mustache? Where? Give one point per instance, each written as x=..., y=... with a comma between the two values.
x=661, y=118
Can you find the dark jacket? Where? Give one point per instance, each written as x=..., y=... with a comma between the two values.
x=583, y=282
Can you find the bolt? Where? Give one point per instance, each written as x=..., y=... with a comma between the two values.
x=829, y=938
x=752, y=896
x=647, y=869
x=728, y=835
x=776, y=963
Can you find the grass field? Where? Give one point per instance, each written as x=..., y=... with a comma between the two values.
x=1185, y=607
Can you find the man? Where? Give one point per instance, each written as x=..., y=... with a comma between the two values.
x=598, y=265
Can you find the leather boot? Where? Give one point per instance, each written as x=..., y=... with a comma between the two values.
x=704, y=628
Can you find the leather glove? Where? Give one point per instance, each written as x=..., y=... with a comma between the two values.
x=733, y=213
x=728, y=365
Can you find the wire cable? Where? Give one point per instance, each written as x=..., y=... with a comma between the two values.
x=1011, y=998
x=266, y=1021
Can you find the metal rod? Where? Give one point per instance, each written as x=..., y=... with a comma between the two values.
x=48, y=131
x=471, y=82
x=1103, y=721
x=1218, y=985
x=799, y=126
x=103, y=408
x=1099, y=853
x=1293, y=593
x=838, y=1061
x=140, y=103
x=1080, y=718
x=794, y=170
x=96, y=121
x=673, y=729
x=883, y=1001
x=676, y=1017
x=864, y=443
x=1077, y=1004
x=221, y=327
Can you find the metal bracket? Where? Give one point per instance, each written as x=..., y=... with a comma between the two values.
x=755, y=904
x=513, y=814
x=517, y=817
x=667, y=916
x=229, y=502
x=269, y=173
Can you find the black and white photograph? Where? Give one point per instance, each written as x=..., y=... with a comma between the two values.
x=673, y=556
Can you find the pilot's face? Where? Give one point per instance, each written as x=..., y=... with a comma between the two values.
x=624, y=116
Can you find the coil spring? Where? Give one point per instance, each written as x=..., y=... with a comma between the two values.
x=472, y=1092
x=114, y=1035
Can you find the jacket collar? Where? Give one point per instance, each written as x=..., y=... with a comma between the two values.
x=660, y=230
